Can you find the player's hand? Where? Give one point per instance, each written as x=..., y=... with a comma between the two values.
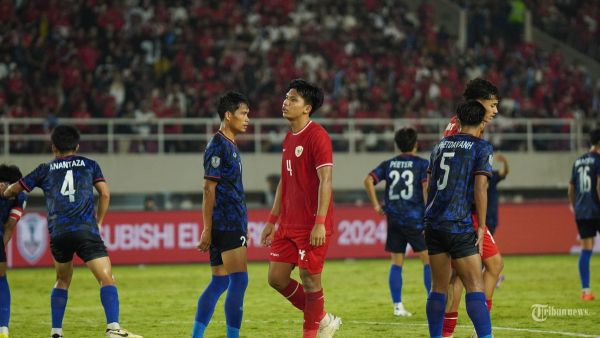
x=379, y=209
x=205, y=239
x=3, y=186
x=479, y=244
x=500, y=158
x=317, y=235
x=267, y=235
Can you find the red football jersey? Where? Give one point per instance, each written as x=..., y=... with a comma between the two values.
x=303, y=153
x=453, y=127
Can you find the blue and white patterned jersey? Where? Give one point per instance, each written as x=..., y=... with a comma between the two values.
x=454, y=163
x=223, y=164
x=404, y=176
x=584, y=177
x=68, y=185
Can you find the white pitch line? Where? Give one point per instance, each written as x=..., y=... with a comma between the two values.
x=501, y=328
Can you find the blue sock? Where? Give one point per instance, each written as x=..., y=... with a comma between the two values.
x=58, y=305
x=427, y=277
x=207, y=302
x=479, y=313
x=110, y=301
x=232, y=332
x=395, y=281
x=4, y=302
x=234, y=303
x=198, y=330
x=584, y=268
x=436, y=304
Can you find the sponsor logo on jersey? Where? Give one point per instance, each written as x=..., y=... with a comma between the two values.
x=299, y=150
x=32, y=237
x=215, y=161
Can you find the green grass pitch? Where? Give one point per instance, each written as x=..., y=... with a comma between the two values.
x=160, y=301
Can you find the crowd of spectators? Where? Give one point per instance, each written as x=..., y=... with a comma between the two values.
x=572, y=21
x=153, y=59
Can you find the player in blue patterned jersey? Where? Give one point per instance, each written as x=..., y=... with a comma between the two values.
x=225, y=218
x=68, y=183
x=405, y=179
x=584, y=196
x=459, y=169
x=493, y=198
x=11, y=211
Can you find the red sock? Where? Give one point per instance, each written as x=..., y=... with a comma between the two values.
x=450, y=319
x=489, y=304
x=313, y=312
x=294, y=292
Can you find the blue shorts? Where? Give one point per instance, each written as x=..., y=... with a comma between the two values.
x=457, y=245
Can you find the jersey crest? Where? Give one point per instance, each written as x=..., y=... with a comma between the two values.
x=299, y=150
x=215, y=161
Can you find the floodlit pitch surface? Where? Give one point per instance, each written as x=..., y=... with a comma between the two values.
x=160, y=301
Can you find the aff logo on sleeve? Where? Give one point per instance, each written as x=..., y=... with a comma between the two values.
x=215, y=161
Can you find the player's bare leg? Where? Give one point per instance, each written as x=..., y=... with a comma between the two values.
x=469, y=271
x=493, y=268
x=59, y=296
x=102, y=270
x=587, y=245
x=235, y=263
x=455, y=289
x=424, y=256
x=395, y=284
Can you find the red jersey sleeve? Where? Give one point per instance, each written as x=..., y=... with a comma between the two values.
x=322, y=152
x=453, y=127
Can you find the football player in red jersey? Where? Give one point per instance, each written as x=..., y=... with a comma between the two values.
x=304, y=211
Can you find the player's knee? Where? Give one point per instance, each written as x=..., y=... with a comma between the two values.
x=63, y=282
x=278, y=283
x=494, y=265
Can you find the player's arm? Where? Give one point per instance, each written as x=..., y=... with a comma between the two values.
x=598, y=186
x=504, y=171
x=9, y=228
x=369, y=183
x=425, y=186
x=268, y=233
x=208, y=204
x=481, y=184
x=317, y=235
x=103, y=201
x=11, y=190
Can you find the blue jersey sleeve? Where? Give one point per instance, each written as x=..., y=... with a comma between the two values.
x=97, y=175
x=484, y=160
x=34, y=178
x=378, y=173
x=213, y=158
x=423, y=171
x=20, y=201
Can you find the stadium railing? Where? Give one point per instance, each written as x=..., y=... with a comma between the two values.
x=125, y=135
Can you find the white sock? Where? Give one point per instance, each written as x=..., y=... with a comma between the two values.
x=113, y=326
x=56, y=330
x=4, y=329
x=586, y=290
x=398, y=304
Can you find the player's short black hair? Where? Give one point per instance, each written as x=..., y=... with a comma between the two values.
x=10, y=173
x=230, y=102
x=311, y=94
x=405, y=139
x=480, y=89
x=470, y=113
x=595, y=137
x=65, y=138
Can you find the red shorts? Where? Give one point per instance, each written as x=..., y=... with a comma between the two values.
x=489, y=245
x=293, y=246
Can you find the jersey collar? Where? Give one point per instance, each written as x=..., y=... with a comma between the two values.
x=303, y=129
